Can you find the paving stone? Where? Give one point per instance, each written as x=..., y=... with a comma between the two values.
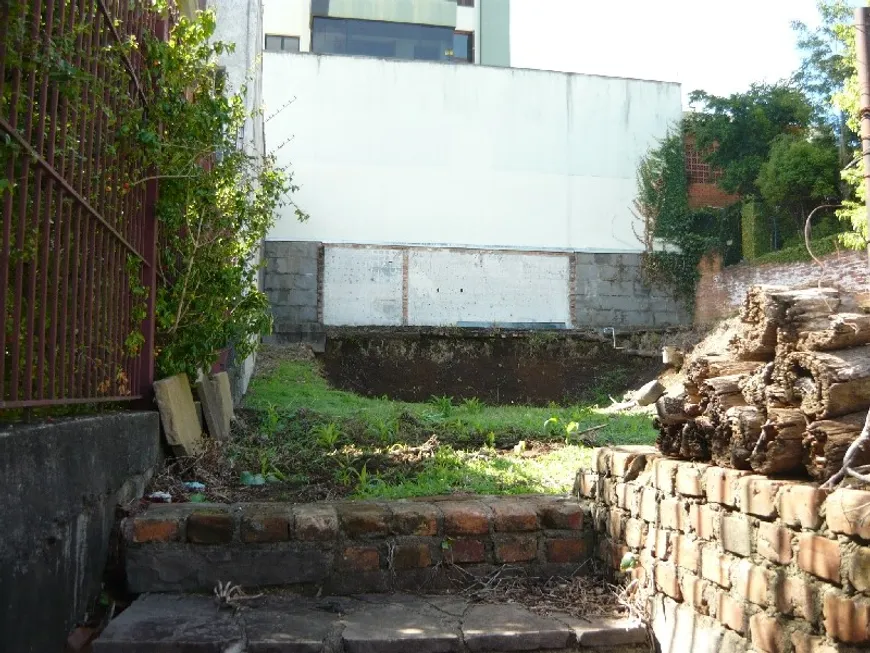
x=217, y=404
x=512, y=628
x=603, y=632
x=291, y=625
x=178, y=415
x=394, y=628
x=160, y=623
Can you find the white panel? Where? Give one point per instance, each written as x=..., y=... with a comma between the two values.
x=362, y=286
x=290, y=18
x=399, y=152
x=448, y=287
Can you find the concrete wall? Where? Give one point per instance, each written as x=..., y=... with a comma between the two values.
x=394, y=152
x=368, y=285
x=59, y=486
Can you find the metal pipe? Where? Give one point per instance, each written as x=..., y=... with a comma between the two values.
x=862, y=43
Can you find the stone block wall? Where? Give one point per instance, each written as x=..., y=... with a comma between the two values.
x=609, y=291
x=292, y=282
x=351, y=547
x=732, y=561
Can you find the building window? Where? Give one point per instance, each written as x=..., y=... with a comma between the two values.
x=463, y=47
x=465, y=3
x=281, y=43
x=371, y=38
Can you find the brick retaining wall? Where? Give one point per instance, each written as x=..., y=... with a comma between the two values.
x=733, y=560
x=351, y=547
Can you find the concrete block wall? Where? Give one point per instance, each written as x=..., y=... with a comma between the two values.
x=310, y=285
x=731, y=561
x=609, y=291
x=292, y=282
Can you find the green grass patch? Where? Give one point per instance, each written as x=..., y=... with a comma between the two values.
x=798, y=253
x=302, y=433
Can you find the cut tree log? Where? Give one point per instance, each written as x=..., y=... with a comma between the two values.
x=706, y=367
x=826, y=442
x=721, y=393
x=840, y=331
x=695, y=439
x=826, y=384
x=780, y=450
x=671, y=410
x=736, y=436
x=773, y=314
x=753, y=386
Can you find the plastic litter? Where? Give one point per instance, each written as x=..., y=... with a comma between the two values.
x=194, y=486
x=160, y=497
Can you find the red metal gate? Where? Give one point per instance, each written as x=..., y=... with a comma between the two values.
x=78, y=240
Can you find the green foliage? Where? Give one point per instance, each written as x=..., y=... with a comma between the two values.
x=662, y=202
x=754, y=231
x=443, y=404
x=739, y=130
x=799, y=175
x=796, y=253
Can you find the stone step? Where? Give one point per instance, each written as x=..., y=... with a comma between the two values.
x=385, y=623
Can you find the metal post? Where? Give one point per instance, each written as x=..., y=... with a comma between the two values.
x=862, y=43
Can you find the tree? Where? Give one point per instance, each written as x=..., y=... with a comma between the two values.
x=799, y=175
x=738, y=131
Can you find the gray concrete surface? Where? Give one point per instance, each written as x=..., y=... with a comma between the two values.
x=59, y=485
x=394, y=623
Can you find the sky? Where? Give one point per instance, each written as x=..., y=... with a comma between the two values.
x=720, y=47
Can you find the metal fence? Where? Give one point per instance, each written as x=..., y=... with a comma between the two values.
x=78, y=240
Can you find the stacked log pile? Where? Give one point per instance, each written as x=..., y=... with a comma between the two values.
x=784, y=389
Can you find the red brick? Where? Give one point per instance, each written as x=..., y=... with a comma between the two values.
x=626, y=463
x=819, y=556
x=516, y=548
x=315, y=523
x=720, y=485
x=702, y=521
x=513, y=515
x=412, y=556
x=154, y=529
x=635, y=533
x=614, y=523
x=716, y=566
x=774, y=543
x=465, y=518
x=607, y=491
x=466, y=550
x=858, y=568
x=266, y=524
x=213, y=527
x=753, y=583
x=695, y=593
x=847, y=620
x=768, y=634
x=649, y=505
x=662, y=549
x=686, y=553
x=736, y=534
x=563, y=551
x=757, y=495
x=561, y=515
x=689, y=480
x=800, y=505
x=414, y=519
x=586, y=484
x=360, y=559
x=848, y=512
x=664, y=473
x=731, y=612
x=601, y=463
x=364, y=520
x=667, y=581
x=611, y=553
x=673, y=513
x=806, y=643
x=796, y=596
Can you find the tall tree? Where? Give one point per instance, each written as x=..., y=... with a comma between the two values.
x=739, y=130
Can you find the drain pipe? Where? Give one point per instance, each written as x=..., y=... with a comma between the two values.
x=612, y=331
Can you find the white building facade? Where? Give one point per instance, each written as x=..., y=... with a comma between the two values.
x=443, y=194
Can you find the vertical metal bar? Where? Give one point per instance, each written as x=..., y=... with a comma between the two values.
x=862, y=43
x=48, y=333
x=149, y=279
x=5, y=249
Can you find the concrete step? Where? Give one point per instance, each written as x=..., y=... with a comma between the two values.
x=383, y=623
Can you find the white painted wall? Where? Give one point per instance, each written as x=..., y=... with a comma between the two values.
x=449, y=287
x=390, y=151
x=365, y=286
x=289, y=18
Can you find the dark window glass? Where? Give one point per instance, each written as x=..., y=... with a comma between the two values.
x=463, y=47
x=279, y=43
x=372, y=38
x=465, y=3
